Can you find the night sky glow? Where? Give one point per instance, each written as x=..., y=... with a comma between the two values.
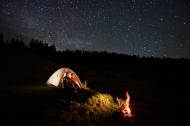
x=135, y=27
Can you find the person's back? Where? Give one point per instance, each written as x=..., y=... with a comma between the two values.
x=67, y=77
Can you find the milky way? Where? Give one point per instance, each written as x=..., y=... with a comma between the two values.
x=136, y=27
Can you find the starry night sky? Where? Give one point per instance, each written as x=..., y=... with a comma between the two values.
x=136, y=27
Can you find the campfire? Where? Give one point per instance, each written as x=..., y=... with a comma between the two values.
x=124, y=105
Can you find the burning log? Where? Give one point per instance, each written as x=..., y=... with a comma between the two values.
x=122, y=114
x=124, y=105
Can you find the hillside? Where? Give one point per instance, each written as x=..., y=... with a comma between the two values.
x=18, y=66
x=158, y=87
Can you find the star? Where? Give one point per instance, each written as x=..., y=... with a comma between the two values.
x=130, y=27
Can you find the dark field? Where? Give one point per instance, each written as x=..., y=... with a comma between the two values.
x=158, y=87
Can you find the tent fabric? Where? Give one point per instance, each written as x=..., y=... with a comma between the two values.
x=57, y=77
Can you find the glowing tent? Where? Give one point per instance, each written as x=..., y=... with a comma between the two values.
x=57, y=78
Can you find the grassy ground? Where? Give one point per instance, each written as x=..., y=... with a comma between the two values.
x=26, y=100
x=25, y=105
x=43, y=105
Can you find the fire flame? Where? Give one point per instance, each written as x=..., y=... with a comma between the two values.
x=127, y=108
x=125, y=105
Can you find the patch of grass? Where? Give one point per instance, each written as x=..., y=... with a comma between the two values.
x=95, y=107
